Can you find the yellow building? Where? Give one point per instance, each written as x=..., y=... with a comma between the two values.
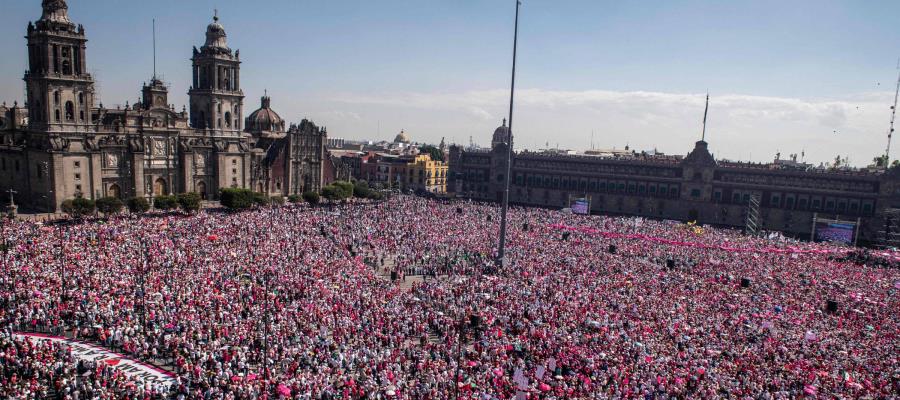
x=423, y=173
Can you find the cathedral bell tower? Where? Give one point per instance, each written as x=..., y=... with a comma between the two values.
x=216, y=97
x=60, y=92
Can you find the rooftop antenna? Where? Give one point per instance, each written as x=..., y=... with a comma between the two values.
x=154, y=49
x=592, y=139
x=501, y=248
x=887, y=152
x=705, y=111
x=471, y=142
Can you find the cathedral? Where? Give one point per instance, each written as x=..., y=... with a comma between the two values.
x=63, y=143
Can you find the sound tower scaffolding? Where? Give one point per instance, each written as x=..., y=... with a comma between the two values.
x=754, y=220
x=888, y=234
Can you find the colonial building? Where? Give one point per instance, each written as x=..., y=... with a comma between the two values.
x=695, y=187
x=62, y=143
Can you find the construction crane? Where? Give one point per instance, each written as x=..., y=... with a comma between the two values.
x=887, y=152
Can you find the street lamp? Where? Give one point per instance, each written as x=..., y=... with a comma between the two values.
x=473, y=324
x=140, y=293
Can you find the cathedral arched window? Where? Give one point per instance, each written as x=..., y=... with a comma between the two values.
x=70, y=111
x=219, y=123
x=56, y=97
x=80, y=98
x=67, y=67
x=228, y=119
x=56, y=115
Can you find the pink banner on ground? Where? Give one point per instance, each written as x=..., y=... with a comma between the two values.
x=132, y=368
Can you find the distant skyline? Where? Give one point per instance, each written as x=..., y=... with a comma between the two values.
x=790, y=77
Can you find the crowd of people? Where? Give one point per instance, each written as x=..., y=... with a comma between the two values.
x=297, y=302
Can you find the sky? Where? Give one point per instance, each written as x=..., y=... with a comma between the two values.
x=813, y=77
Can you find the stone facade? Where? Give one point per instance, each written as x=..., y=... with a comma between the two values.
x=61, y=144
x=694, y=187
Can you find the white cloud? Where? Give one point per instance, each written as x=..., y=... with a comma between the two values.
x=738, y=125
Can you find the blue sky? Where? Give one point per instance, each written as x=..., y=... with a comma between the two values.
x=783, y=75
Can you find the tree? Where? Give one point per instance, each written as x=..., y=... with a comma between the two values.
x=311, y=197
x=435, y=153
x=277, y=200
x=78, y=207
x=138, y=205
x=331, y=193
x=165, y=202
x=236, y=198
x=361, y=189
x=295, y=198
x=261, y=199
x=190, y=201
x=109, y=205
x=345, y=189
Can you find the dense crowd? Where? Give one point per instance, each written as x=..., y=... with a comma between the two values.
x=293, y=303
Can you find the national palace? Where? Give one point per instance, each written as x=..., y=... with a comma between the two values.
x=784, y=194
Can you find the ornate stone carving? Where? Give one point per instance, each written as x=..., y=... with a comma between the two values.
x=200, y=160
x=59, y=144
x=136, y=145
x=159, y=147
x=185, y=144
x=90, y=143
x=112, y=160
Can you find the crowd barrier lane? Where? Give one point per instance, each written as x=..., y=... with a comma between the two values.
x=655, y=239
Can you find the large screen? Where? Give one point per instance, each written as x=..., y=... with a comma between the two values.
x=581, y=206
x=842, y=232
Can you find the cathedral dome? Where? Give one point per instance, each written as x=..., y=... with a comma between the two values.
x=215, y=35
x=402, y=137
x=501, y=134
x=265, y=119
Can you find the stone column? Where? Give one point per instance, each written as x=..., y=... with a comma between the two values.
x=137, y=174
x=187, y=170
x=57, y=181
x=96, y=175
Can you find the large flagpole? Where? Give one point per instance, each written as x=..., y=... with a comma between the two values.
x=501, y=249
x=706, y=110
